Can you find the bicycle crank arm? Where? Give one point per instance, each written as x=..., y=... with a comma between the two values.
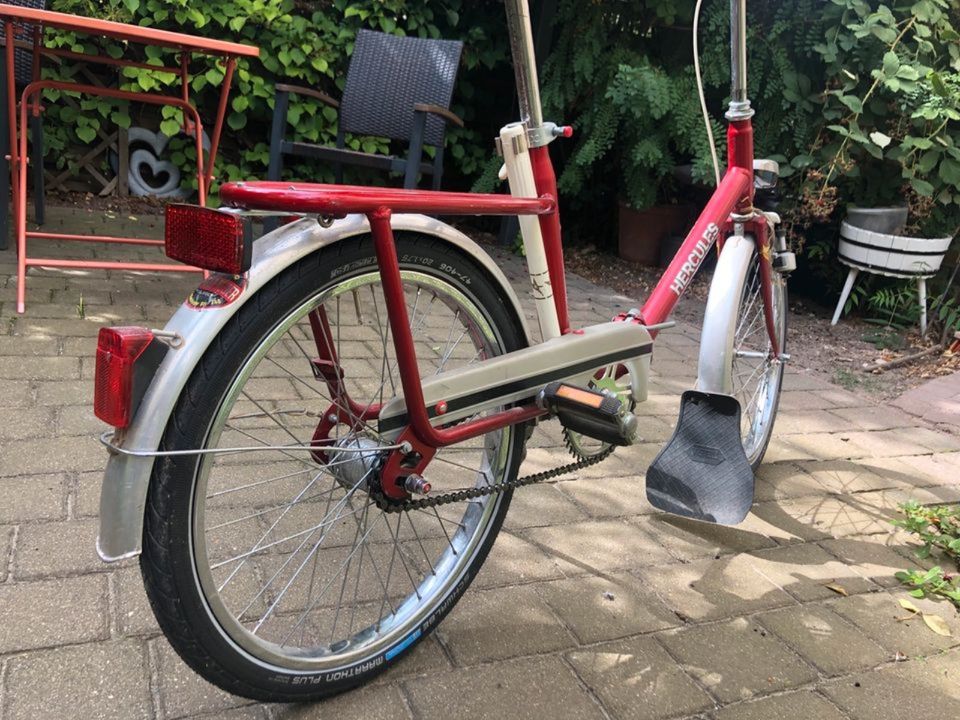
x=521, y=375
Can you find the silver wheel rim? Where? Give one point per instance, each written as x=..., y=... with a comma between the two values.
x=755, y=375
x=394, y=554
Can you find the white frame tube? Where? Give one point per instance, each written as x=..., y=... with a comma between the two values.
x=516, y=159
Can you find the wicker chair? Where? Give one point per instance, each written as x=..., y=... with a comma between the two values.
x=397, y=88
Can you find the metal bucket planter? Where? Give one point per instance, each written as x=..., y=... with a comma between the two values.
x=890, y=255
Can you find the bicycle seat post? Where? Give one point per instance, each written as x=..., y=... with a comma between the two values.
x=524, y=62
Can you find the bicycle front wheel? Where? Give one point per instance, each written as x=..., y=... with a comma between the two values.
x=275, y=574
x=735, y=351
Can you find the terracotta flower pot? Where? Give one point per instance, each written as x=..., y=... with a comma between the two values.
x=643, y=231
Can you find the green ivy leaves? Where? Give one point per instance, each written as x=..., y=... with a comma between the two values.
x=302, y=43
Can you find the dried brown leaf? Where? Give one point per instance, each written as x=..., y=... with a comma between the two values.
x=937, y=624
x=907, y=605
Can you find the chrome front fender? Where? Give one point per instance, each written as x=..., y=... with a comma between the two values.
x=127, y=477
x=720, y=316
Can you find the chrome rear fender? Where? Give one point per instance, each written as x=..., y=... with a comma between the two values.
x=127, y=477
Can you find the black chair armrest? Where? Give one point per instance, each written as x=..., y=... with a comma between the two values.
x=437, y=110
x=308, y=92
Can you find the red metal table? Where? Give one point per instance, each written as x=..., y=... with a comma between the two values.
x=188, y=45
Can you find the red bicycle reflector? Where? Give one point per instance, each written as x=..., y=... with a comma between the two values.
x=210, y=239
x=118, y=349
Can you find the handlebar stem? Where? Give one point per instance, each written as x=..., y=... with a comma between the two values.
x=739, y=108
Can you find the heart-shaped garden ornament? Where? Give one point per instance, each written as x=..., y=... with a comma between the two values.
x=163, y=178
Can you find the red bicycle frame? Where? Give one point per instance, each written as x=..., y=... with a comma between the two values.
x=730, y=209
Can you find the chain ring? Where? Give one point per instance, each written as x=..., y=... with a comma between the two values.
x=573, y=439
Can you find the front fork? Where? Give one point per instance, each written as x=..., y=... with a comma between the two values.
x=760, y=227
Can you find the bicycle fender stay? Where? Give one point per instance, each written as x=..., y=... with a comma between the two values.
x=127, y=477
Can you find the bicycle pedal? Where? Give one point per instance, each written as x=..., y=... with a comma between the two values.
x=592, y=413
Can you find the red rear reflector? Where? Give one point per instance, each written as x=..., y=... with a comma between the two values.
x=206, y=238
x=117, y=351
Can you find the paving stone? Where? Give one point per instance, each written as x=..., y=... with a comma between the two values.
x=781, y=450
x=478, y=630
x=783, y=480
x=33, y=497
x=133, y=609
x=637, y=680
x=736, y=661
x=829, y=446
x=6, y=539
x=28, y=347
x=248, y=712
x=691, y=540
x=87, y=499
x=803, y=705
x=824, y=639
x=71, y=297
x=514, y=560
x=70, y=310
x=842, y=477
x=80, y=346
x=22, y=457
x=16, y=394
x=885, y=504
x=80, y=420
x=820, y=518
x=519, y=690
x=807, y=421
x=869, y=556
x=52, y=612
x=924, y=470
x=57, y=548
x=880, y=418
x=714, y=589
x=40, y=328
x=843, y=398
x=369, y=702
x=609, y=497
x=600, y=545
x=541, y=505
x=880, y=617
x=29, y=423
x=65, y=392
x=806, y=570
x=890, y=443
x=630, y=462
x=104, y=681
x=794, y=400
x=182, y=691
x=598, y=608
x=805, y=379
x=904, y=691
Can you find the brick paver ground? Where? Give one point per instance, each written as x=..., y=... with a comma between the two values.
x=936, y=401
x=591, y=604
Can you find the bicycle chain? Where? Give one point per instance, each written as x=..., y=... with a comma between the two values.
x=392, y=506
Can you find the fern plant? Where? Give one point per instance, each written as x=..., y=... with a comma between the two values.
x=622, y=74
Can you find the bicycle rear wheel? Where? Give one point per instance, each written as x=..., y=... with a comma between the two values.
x=274, y=574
